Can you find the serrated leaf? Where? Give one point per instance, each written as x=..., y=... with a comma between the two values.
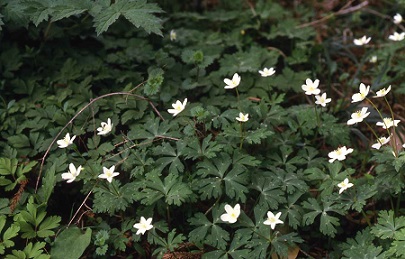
x=362, y=246
x=138, y=12
x=387, y=225
x=170, y=156
x=45, y=228
x=270, y=194
x=171, y=188
x=328, y=223
x=208, y=148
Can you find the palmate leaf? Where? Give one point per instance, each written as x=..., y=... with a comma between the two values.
x=328, y=223
x=215, y=175
x=172, y=189
x=138, y=12
x=235, y=249
x=207, y=232
x=115, y=198
x=362, y=246
x=208, y=148
x=397, y=246
x=388, y=225
x=170, y=156
x=270, y=195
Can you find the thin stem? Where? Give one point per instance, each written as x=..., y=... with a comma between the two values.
x=237, y=95
x=398, y=203
x=213, y=205
x=394, y=132
x=316, y=112
x=382, y=118
x=366, y=218
x=241, y=135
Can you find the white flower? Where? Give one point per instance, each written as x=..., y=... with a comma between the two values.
x=322, y=100
x=66, y=141
x=373, y=59
x=339, y=154
x=230, y=84
x=243, y=117
x=108, y=174
x=73, y=172
x=362, y=41
x=397, y=36
x=383, y=92
x=311, y=87
x=267, y=72
x=177, y=107
x=387, y=123
x=358, y=97
x=105, y=128
x=344, y=185
x=143, y=226
x=397, y=18
x=272, y=219
x=380, y=142
x=358, y=116
x=173, y=35
x=231, y=214
x=403, y=145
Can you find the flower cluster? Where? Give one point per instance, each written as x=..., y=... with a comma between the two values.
x=232, y=214
x=74, y=172
x=311, y=88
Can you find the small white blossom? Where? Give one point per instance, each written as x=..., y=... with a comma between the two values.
x=272, y=219
x=362, y=41
x=383, y=92
x=231, y=214
x=66, y=141
x=388, y=123
x=358, y=116
x=143, y=226
x=380, y=142
x=243, y=117
x=339, y=154
x=267, y=72
x=230, y=84
x=397, y=18
x=397, y=36
x=311, y=87
x=373, y=59
x=358, y=97
x=322, y=100
x=177, y=107
x=108, y=174
x=344, y=185
x=403, y=145
x=105, y=128
x=73, y=172
x=173, y=35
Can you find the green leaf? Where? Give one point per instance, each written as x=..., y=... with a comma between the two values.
x=138, y=12
x=207, y=232
x=387, y=225
x=270, y=193
x=45, y=228
x=8, y=166
x=170, y=156
x=115, y=198
x=362, y=246
x=208, y=148
x=71, y=243
x=171, y=188
x=328, y=223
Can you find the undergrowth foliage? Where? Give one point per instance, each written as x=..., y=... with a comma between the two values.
x=140, y=129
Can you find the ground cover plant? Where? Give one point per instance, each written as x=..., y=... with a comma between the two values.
x=202, y=129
